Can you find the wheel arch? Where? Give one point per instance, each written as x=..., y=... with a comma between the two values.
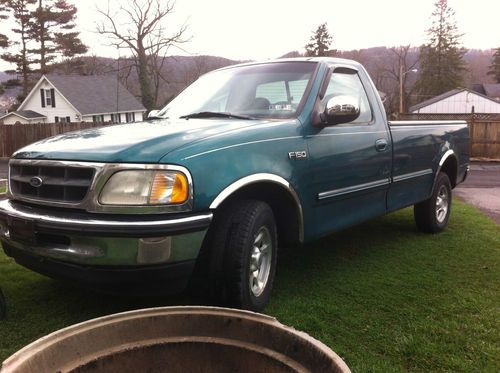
x=449, y=165
x=278, y=193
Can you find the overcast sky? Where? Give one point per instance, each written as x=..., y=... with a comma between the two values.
x=263, y=29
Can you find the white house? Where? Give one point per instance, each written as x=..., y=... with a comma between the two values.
x=458, y=101
x=73, y=98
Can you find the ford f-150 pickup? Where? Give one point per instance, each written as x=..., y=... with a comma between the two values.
x=247, y=159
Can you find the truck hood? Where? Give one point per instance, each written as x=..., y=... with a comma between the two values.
x=145, y=142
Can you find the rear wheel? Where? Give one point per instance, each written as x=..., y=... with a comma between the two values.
x=241, y=253
x=431, y=216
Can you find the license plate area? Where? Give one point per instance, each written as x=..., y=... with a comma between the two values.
x=22, y=230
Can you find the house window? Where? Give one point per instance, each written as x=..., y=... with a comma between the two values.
x=116, y=118
x=48, y=97
x=97, y=118
x=130, y=117
x=62, y=119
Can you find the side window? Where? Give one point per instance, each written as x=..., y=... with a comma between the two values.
x=349, y=84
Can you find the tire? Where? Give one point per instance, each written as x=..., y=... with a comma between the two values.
x=241, y=253
x=432, y=215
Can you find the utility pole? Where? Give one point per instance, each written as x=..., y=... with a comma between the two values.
x=401, y=75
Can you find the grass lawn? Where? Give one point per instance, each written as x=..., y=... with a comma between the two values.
x=3, y=189
x=383, y=296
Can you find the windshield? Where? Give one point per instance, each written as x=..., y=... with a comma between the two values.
x=272, y=90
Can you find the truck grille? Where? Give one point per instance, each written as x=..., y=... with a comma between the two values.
x=67, y=184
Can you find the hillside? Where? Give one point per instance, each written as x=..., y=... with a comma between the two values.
x=177, y=71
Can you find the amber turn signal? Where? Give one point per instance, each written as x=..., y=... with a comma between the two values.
x=169, y=188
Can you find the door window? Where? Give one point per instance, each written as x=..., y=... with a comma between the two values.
x=349, y=84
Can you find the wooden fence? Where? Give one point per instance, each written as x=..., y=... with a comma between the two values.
x=485, y=139
x=484, y=131
x=14, y=137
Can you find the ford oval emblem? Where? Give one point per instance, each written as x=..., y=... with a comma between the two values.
x=36, y=182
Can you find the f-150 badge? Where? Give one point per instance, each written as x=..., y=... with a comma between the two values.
x=297, y=155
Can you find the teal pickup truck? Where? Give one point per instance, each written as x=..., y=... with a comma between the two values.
x=247, y=159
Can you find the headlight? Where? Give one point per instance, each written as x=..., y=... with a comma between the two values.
x=148, y=187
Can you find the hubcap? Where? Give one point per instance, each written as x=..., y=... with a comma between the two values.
x=442, y=204
x=260, y=261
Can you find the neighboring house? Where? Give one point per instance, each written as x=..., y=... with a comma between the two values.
x=458, y=101
x=72, y=98
x=22, y=116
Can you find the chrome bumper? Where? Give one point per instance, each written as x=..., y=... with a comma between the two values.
x=116, y=240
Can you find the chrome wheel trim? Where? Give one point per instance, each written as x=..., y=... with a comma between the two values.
x=260, y=261
x=442, y=204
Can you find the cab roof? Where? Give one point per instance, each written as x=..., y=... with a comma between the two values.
x=326, y=60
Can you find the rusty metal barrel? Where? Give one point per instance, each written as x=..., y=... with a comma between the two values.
x=177, y=339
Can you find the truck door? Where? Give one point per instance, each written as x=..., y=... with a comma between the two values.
x=350, y=163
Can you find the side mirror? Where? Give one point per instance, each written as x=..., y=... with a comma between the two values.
x=341, y=109
x=153, y=114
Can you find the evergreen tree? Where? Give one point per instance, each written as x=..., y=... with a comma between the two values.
x=495, y=66
x=51, y=28
x=4, y=40
x=21, y=58
x=319, y=42
x=441, y=65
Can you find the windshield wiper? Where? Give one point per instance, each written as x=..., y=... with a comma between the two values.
x=214, y=114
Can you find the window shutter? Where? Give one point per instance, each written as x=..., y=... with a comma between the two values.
x=68, y=119
x=53, y=97
x=56, y=119
x=42, y=95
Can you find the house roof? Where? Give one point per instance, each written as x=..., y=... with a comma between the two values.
x=25, y=114
x=29, y=114
x=479, y=87
x=492, y=90
x=446, y=95
x=96, y=94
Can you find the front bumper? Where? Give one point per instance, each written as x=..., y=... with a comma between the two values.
x=135, y=280
x=85, y=239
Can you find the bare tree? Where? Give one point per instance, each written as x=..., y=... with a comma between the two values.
x=144, y=33
x=399, y=72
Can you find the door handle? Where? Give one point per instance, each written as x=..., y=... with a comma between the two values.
x=381, y=145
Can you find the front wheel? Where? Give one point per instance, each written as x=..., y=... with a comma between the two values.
x=243, y=254
x=432, y=215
